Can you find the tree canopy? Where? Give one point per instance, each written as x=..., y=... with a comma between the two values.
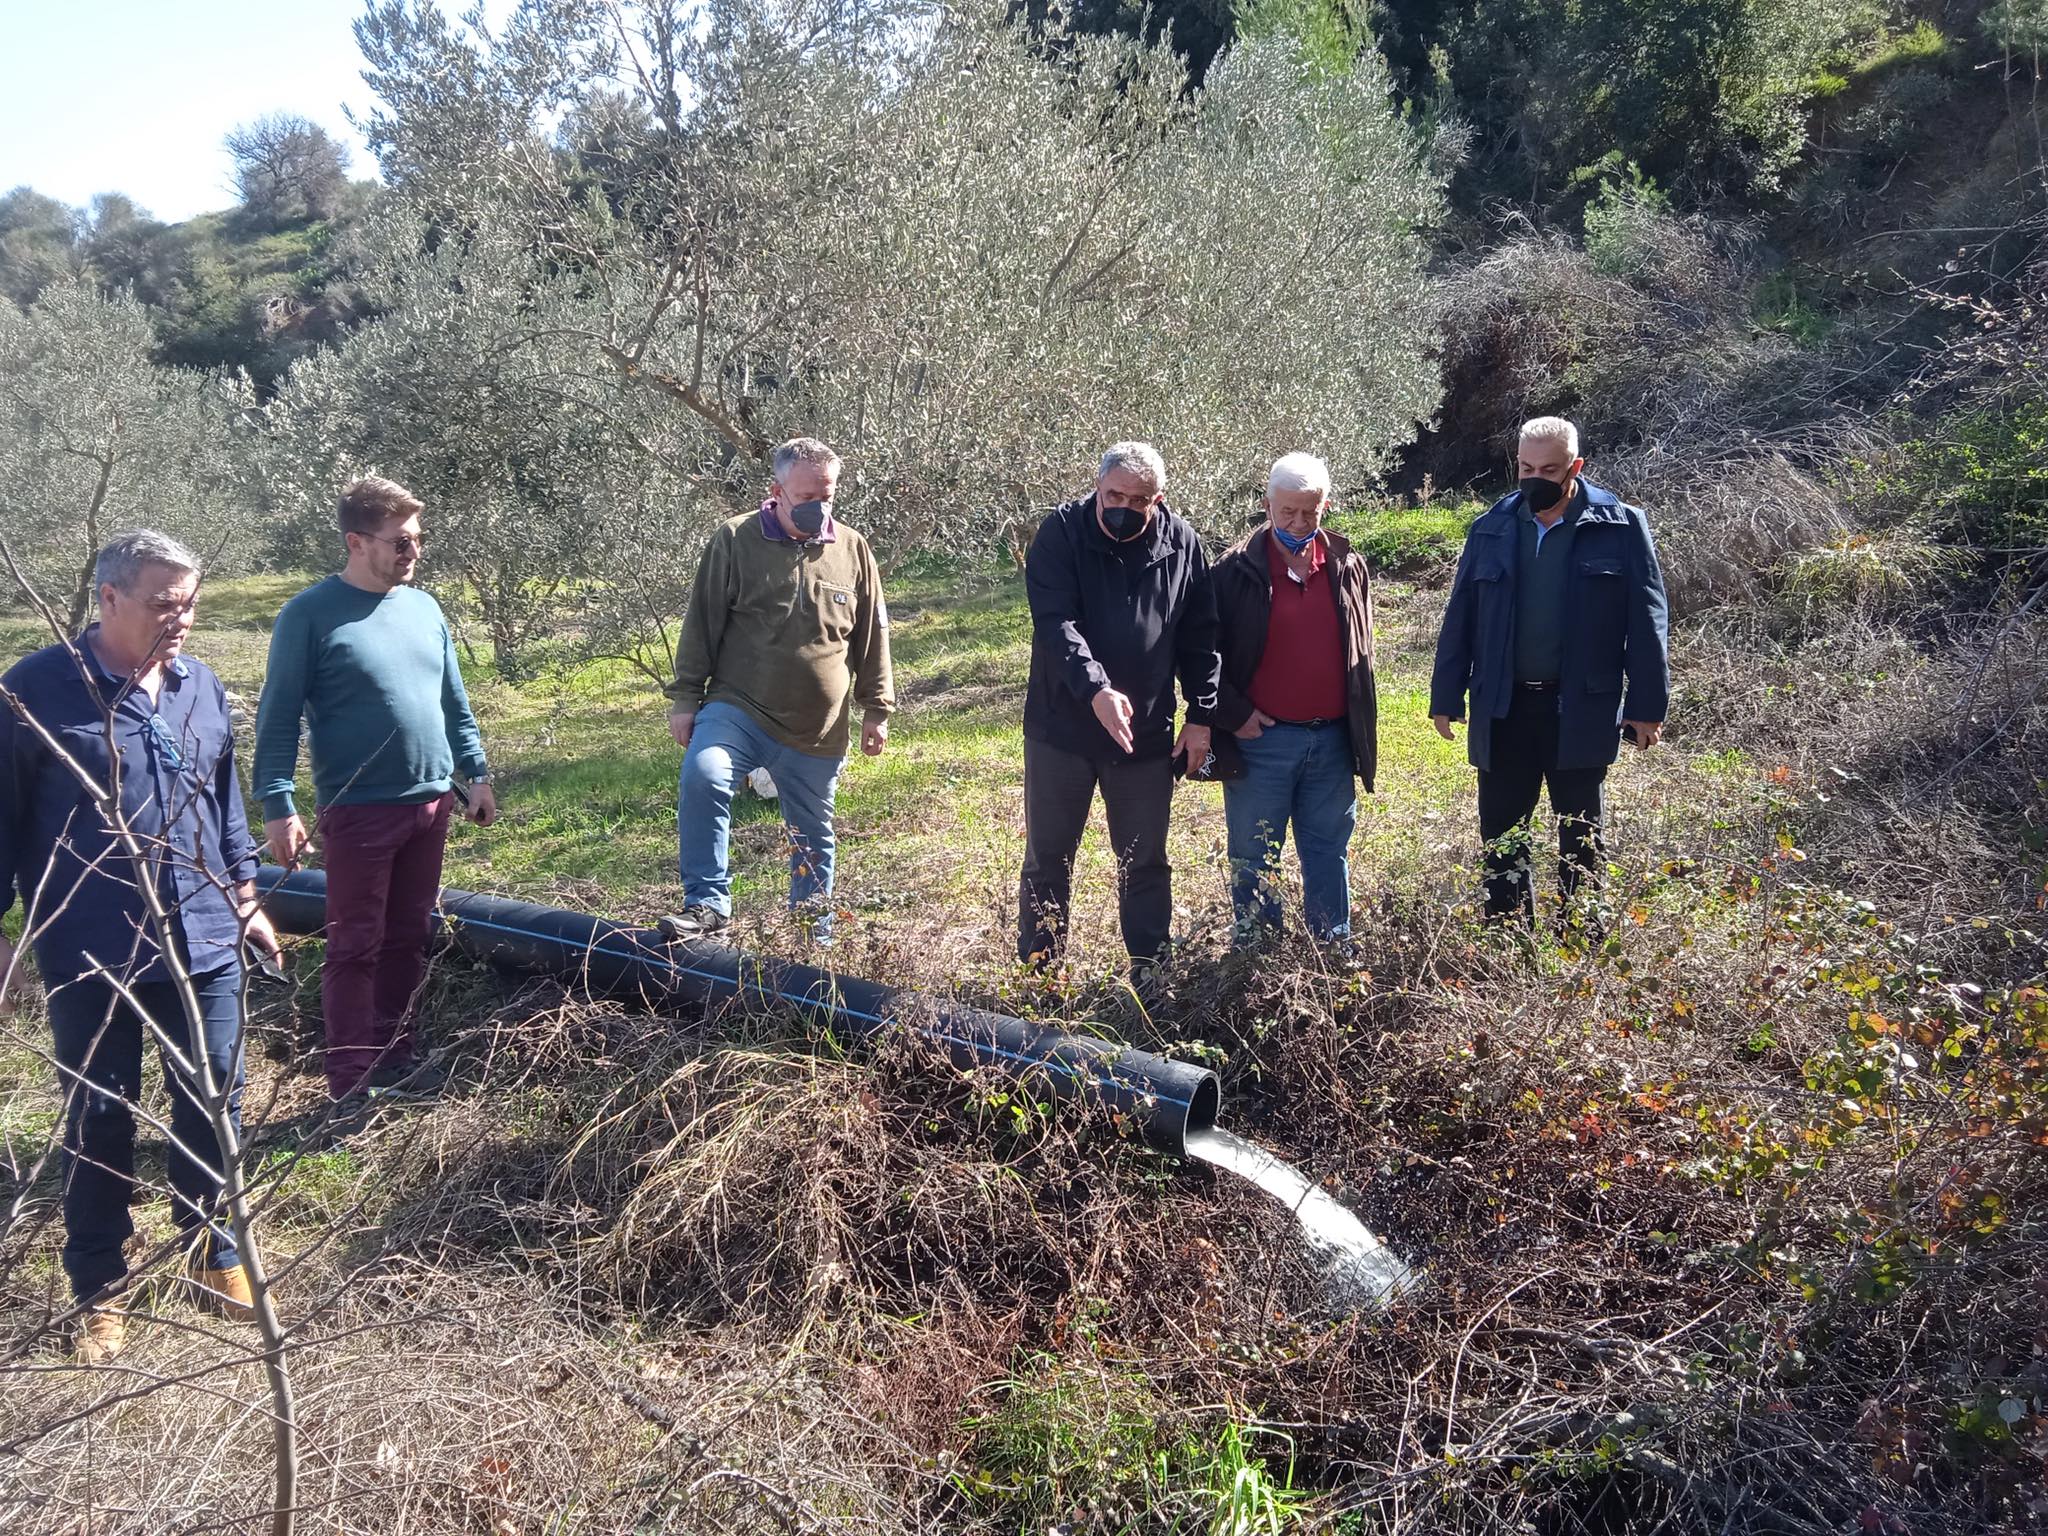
x=966, y=254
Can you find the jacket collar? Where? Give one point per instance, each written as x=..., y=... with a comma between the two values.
x=1601, y=506
x=1339, y=547
x=1154, y=546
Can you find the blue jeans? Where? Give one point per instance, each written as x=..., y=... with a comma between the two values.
x=1293, y=773
x=725, y=747
x=99, y=1037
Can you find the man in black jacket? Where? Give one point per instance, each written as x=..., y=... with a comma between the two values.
x=1557, y=600
x=1120, y=606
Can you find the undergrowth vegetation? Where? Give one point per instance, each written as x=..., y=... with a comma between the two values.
x=1724, y=1218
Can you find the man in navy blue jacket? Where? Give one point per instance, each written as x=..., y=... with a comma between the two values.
x=124, y=703
x=1556, y=632
x=1120, y=607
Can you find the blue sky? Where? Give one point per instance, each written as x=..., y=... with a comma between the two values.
x=134, y=95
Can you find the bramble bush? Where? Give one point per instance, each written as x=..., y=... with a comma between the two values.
x=1982, y=472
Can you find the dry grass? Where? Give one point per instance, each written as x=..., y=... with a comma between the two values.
x=633, y=1275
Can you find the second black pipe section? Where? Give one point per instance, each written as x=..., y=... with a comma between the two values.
x=1165, y=1099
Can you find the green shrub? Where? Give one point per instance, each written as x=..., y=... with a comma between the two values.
x=1906, y=112
x=1407, y=541
x=1779, y=305
x=1621, y=221
x=2019, y=26
x=1983, y=474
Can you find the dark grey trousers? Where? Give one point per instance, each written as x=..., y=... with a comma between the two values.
x=1524, y=761
x=1137, y=794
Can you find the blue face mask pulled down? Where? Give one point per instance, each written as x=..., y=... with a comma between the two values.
x=1294, y=545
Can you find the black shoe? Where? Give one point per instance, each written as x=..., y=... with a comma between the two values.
x=405, y=1078
x=700, y=922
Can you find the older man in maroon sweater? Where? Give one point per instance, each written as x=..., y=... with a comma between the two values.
x=1294, y=602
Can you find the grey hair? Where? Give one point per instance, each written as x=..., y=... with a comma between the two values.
x=1138, y=458
x=1551, y=429
x=121, y=563
x=1299, y=472
x=801, y=450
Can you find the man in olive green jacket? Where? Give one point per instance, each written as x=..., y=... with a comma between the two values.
x=786, y=621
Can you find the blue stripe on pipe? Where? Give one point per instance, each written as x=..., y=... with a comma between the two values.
x=979, y=1047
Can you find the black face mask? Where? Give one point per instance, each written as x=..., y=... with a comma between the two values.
x=1124, y=523
x=1541, y=494
x=809, y=517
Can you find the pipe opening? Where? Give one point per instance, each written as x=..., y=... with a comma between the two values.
x=1203, y=1106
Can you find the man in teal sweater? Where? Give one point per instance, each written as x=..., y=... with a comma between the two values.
x=367, y=661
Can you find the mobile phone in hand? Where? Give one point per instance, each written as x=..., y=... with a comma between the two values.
x=263, y=967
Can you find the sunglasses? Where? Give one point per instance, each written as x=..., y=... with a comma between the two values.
x=404, y=543
x=166, y=743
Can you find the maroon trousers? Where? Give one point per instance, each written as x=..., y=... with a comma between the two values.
x=383, y=874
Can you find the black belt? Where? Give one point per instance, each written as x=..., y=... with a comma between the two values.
x=1311, y=725
x=1538, y=687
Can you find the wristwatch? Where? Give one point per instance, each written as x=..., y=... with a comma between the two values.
x=480, y=778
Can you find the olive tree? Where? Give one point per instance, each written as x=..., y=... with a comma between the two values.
x=470, y=392
x=95, y=437
x=966, y=255
x=287, y=168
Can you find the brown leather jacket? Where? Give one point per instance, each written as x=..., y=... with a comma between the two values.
x=1243, y=583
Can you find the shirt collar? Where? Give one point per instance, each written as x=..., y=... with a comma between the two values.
x=176, y=667
x=1572, y=510
x=771, y=527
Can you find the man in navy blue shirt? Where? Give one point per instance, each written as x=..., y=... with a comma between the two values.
x=124, y=702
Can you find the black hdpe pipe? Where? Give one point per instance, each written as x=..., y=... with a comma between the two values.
x=1165, y=1099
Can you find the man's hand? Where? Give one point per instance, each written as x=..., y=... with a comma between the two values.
x=1644, y=733
x=1443, y=726
x=680, y=723
x=1114, y=711
x=1194, y=740
x=288, y=839
x=6, y=970
x=1254, y=725
x=256, y=927
x=483, y=805
x=874, y=734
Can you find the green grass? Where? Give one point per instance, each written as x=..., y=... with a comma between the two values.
x=1921, y=43
x=1406, y=541
x=1054, y=1437
x=1778, y=304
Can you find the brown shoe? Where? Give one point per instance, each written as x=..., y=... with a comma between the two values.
x=102, y=1334
x=226, y=1291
